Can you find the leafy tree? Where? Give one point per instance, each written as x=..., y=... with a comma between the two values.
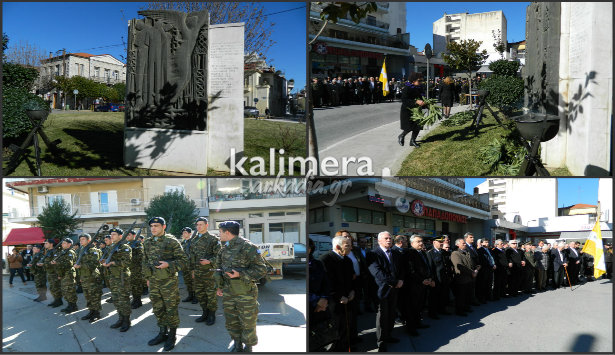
x=257, y=36
x=5, y=45
x=177, y=209
x=498, y=44
x=57, y=221
x=505, y=87
x=464, y=55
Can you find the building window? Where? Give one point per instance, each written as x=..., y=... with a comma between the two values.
x=107, y=73
x=97, y=72
x=103, y=199
x=378, y=218
x=58, y=69
x=430, y=224
x=255, y=215
x=317, y=215
x=276, y=214
x=171, y=188
x=283, y=233
x=256, y=233
x=364, y=216
x=81, y=69
x=116, y=75
x=349, y=214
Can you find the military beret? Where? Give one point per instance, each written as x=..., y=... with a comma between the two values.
x=132, y=232
x=67, y=240
x=108, y=236
x=187, y=229
x=116, y=230
x=201, y=219
x=37, y=246
x=157, y=220
x=86, y=235
x=229, y=224
x=52, y=241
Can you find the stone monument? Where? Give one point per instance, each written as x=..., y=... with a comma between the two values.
x=184, y=99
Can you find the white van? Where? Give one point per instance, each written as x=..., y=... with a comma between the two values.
x=322, y=244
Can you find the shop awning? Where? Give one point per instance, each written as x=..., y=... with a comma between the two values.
x=19, y=236
x=484, y=69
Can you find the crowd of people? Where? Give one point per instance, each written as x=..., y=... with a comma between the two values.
x=363, y=90
x=402, y=277
x=129, y=264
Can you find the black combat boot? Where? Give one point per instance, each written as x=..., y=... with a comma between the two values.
x=70, y=308
x=237, y=346
x=247, y=349
x=211, y=318
x=170, y=343
x=145, y=291
x=203, y=317
x=125, y=323
x=413, y=142
x=189, y=298
x=95, y=316
x=118, y=323
x=136, y=302
x=57, y=302
x=194, y=299
x=79, y=289
x=162, y=336
x=88, y=316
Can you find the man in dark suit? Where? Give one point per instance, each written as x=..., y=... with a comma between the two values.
x=485, y=273
x=383, y=264
x=340, y=276
x=516, y=264
x=360, y=269
x=471, y=249
x=403, y=304
x=438, y=296
x=420, y=280
x=574, y=263
x=560, y=262
x=501, y=271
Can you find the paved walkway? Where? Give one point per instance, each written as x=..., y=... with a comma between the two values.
x=554, y=321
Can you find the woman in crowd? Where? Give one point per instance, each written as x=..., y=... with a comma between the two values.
x=447, y=93
x=15, y=266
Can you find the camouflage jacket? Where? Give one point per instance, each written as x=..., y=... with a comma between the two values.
x=203, y=246
x=49, y=256
x=65, y=262
x=90, y=262
x=137, y=254
x=35, y=260
x=243, y=256
x=122, y=257
x=163, y=248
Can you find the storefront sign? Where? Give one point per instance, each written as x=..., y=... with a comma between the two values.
x=376, y=199
x=322, y=48
x=402, y=204
x=419, y=209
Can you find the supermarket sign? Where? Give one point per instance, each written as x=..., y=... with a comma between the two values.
x=418, y=208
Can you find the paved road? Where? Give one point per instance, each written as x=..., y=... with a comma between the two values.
x=33, y=327
x=365, y=130
x=554, y=321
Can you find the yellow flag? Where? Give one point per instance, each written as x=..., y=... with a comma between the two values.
x=383, y=79
x=593, y=246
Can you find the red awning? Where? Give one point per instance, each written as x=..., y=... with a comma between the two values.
x=18, y=236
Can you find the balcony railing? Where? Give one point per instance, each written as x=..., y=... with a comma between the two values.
x=251, y=196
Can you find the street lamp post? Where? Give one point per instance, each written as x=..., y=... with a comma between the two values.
x=428, y=55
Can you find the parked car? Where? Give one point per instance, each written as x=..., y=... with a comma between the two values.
x=110, y=107
x=250, y=111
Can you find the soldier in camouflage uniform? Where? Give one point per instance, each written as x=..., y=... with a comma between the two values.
x=88, y=266
x=51, y=251
x=136, y=271
x=117, y=263
x=38, y=270
x=202, y=259
x=240, y=266
x=187, y=272
x=163, y=258
x=64, y=266
x=105, y=271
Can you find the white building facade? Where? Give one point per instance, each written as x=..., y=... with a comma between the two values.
x=465, y=26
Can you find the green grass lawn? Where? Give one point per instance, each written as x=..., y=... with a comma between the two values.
x=92, y=144
x=453, y=151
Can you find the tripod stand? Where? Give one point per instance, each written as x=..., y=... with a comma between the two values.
x=482, y=97
x=37, y=118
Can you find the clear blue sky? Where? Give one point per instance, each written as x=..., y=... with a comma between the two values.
x=98, y=28
x=420, y=17
x=570, y=191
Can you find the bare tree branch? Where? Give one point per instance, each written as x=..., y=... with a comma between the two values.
x=25, y=53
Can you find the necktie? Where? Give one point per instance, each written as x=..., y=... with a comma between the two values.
x=425, y=261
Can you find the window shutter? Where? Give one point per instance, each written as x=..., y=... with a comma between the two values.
x=94, y=202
